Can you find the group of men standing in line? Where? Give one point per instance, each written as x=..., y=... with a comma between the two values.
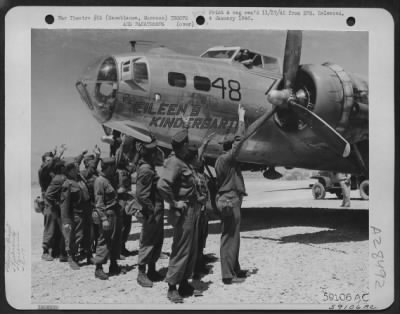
x=85, y=214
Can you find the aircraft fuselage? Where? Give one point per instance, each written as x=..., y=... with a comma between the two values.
x=153, y=92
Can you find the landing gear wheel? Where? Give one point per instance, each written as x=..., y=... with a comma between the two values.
x=364, y=190
x=318, y=191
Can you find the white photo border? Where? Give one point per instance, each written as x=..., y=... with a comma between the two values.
x=378, y=23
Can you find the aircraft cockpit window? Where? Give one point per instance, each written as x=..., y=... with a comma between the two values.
x=176, y=79
x=140, y=73
x=125, y=66
x=257, y=61
x=108, y=71
x=202, y=83
x=244, y=55
x=219, y=54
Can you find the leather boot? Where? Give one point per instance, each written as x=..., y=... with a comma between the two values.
x=173, y=295
x=99, y=273
x=142, y=278
x=46, y=256
x=72, y=263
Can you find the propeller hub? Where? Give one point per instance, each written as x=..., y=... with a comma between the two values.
x=279, y=98
x=302, y=97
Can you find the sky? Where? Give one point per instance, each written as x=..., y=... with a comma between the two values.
x=60, y=56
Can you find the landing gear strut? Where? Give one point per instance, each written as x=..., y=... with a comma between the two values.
x=364, y=185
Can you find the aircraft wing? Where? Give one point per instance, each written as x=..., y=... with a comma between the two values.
x=131, y=128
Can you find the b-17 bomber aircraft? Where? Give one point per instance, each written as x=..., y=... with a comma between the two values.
x=305, y=116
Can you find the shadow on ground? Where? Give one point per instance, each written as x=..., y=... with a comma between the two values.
x=345, y=224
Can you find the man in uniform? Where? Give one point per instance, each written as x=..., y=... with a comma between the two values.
x=177, y=187
x=87, y=176
x=89, y=171
x=345, y=184
x=115, y=143
x=52, y=235
x=46, y=174
x=108, y=210
x=152, y=233
x=86, y=179
x=244, y=58
x=202, y=195
x=123, y=158
x=75, y=206
x=51, y=178
x=231, y=190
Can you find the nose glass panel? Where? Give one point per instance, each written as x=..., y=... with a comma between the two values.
x=98, y=87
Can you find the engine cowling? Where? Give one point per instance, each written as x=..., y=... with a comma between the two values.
x=329, y=92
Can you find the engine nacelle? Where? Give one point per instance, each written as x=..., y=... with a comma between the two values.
x=329, y=92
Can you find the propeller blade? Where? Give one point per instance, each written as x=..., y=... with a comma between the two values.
x=291, y=59
x=322, y=129
x=258, y=123
x=284, y=98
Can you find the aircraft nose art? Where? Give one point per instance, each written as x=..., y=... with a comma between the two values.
x=97, y=87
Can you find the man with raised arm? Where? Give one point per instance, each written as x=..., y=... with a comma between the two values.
x=52, y=235
x=75, y=205
x=46, y=174
x=231, y=189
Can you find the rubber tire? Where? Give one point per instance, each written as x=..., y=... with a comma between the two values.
x=318, y=191
x=364, y=190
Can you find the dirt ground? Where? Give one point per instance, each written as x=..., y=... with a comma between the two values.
x=298, y=251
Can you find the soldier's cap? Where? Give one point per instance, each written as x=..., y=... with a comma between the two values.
x=69, y=162
x=228, y=139
x=180, y=137
x=47, y=154
x=59, y=163
x=152, y=144
x=108, y=160
x=88, y=157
